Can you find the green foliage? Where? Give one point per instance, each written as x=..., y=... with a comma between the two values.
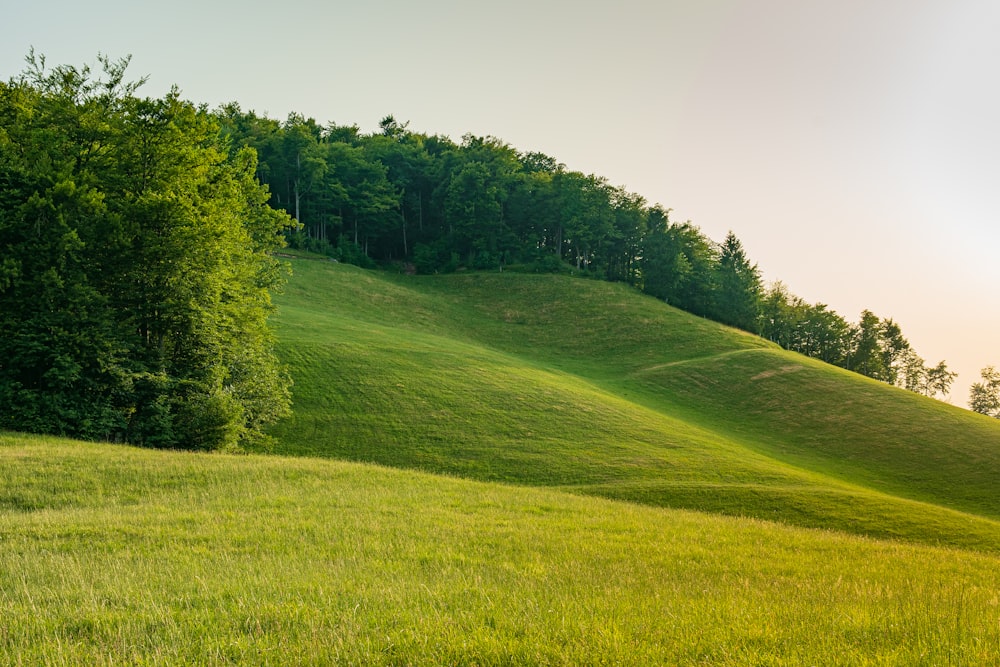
x=679, y=266
x=738, y=287
x=938, y=380
x=404, y=196
x=398, y=196
x=434, y=258
x=351, y=253
x=984, y=397
x=136, y=276
x=874, y=347
x=549, y=264
x=813, y=330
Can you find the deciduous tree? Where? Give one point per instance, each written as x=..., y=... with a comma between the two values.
x=136, y=282
x=984, y=397
x=939, y=380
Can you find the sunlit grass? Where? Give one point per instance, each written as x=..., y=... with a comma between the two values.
x=545, y=380
x=838, y=423
x=570, y=420
x=111, y=555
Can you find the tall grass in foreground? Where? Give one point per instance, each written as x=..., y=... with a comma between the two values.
x=110, y=555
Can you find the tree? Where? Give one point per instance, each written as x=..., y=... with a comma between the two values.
x=678, y=265
x=893, y=350
x=778, y=308
x=913, y=374
x=586, y=217
x=939, y=380
x=738, y=287
x=472, y=208
x=137, y=275
x=301, y=161
x=984, y=397
x=666, y=270
x=392, y=128
x=867, y=357
x=359, y=191
x=622, y=247
x=821, y=333
x=408, y=169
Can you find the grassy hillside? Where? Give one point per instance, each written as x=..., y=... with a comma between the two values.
x=113, y=555
x=591, y=387
x=561, y=398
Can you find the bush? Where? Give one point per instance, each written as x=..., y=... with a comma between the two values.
x=550, y=264
x=350, y=252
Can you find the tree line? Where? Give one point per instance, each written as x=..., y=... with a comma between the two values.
x=426, y=204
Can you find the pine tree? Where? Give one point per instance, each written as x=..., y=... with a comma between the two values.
x=738, y=287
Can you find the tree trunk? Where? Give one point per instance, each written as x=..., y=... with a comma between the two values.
x=297, y=196
x=420, y=211
x=402, y=215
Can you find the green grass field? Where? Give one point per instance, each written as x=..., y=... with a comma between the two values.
x=592, y=387
x=488, y=469
x=111, y=555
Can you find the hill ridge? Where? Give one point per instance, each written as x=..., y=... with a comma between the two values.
x=662, y=409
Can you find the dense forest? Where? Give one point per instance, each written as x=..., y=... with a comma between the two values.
x=423, y=203
x=136, y=267
x=138, y=241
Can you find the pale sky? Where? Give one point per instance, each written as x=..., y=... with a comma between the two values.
x=852, y=145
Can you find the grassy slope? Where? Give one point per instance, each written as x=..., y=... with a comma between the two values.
x=590, y=386
x=112, y=555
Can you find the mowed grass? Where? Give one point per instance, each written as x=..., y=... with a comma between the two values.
x=588, y=327
x=112, y=555
x=593, y=388
x=826, y=419
x=740, y=386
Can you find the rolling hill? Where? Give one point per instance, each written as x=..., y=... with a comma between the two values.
x=594, y=388
x=450, y=491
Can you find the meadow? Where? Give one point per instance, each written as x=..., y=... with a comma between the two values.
x=591, y=387
x=113, y=555
x=499, y=469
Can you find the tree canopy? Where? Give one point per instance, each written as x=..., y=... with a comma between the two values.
x=424, y=203
x=136, y=275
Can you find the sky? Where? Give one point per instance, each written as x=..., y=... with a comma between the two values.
x=852, y=146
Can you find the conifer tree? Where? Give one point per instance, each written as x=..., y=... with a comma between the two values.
x=738, y=291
